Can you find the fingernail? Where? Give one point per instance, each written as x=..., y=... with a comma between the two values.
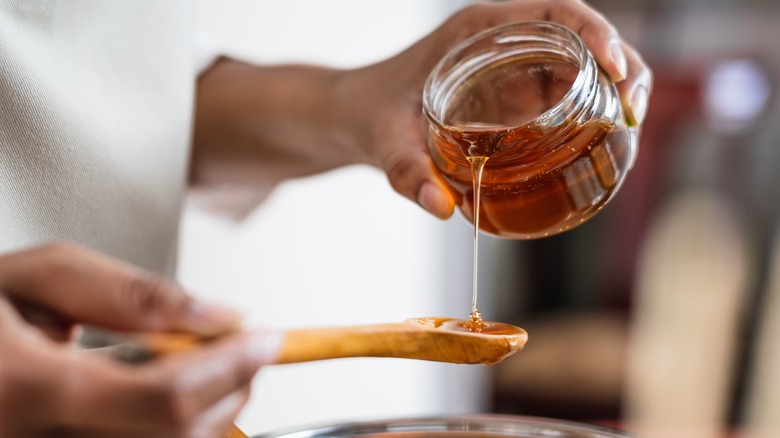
x=618, y=58
x=264, y=346
x=639, y=104
x=431, y=198
x=212, y=319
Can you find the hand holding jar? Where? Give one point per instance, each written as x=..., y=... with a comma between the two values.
x=526, y=131
x=395, y=133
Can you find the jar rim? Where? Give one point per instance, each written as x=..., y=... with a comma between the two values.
x=517, y=30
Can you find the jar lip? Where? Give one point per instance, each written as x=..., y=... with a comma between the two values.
x=584, y=63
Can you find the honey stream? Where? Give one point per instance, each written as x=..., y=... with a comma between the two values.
x=475, y=322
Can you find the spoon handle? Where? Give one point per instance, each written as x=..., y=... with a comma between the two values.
x=306, y=345
x=383, y=340
x=235, y=432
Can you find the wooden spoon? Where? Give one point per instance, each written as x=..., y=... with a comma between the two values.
x=433, y=339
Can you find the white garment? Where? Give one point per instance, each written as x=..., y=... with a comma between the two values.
x=95, y=120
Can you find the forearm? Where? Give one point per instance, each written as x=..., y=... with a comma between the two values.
x=264, y=124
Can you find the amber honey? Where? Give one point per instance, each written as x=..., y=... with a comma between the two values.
x=533, y=184
x=528, y=102
x=486, y=327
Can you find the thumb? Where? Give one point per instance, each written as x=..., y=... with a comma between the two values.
x=411, y=173
x=91, y=288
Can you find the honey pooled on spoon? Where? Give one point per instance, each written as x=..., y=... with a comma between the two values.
x=451, y=340
x=475, y=323
x=485, y=328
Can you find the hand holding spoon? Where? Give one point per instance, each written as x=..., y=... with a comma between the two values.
x=433, y=339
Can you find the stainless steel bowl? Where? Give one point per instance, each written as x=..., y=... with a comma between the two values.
x=478, y=426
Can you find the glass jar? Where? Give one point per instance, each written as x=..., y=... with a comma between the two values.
x=476, y=426
x=527, y=100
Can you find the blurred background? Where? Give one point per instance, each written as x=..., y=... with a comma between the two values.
x=661, y=314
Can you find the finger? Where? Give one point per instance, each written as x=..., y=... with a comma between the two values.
x=218, y=420
x=598, y=34
x=16, y=322
x=171, y=393
x=54, y=325
x=621, y=61
x=215, y=422
x=113, y=432
x=411, y=174
x=410, y=170
x=635, y=90
x=10, y=318
x=92, y=288
x=207, y=375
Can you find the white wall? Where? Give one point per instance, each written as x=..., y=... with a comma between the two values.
x=335, y=249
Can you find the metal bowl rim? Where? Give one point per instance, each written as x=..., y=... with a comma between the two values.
x=487, y=423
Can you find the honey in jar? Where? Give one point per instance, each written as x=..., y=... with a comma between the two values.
x=525, y=109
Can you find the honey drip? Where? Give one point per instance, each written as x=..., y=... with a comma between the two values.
x=475, y=323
